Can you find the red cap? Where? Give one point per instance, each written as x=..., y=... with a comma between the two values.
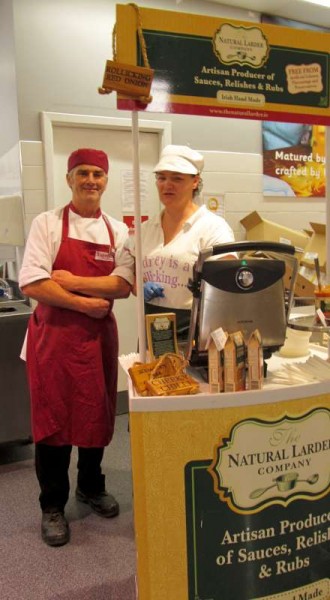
x=88, y=156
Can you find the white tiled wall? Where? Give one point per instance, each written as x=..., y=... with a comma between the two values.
x=33, y=180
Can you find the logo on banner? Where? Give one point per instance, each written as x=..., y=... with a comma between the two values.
x=242, y=45
x=264, y=463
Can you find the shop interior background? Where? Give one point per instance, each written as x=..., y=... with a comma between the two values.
x=53, y=58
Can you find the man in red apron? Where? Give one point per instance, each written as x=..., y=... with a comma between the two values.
x=75, y=265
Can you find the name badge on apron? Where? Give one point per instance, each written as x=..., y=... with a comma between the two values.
x=106, y=256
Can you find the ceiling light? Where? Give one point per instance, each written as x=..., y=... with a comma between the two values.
x=325, y=3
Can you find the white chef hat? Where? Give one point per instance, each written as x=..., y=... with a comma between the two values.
x=180, y=159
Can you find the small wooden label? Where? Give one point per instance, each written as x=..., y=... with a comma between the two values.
x=215, y=369
x=175, y=385
x=129, y=80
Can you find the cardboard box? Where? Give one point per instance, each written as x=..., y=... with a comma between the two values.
x=258, y=229
x=316, y=247
x=140, y=373
x=215, y=347
x=309, y=274
x=215, y=369
x=234, y=362
x=255, y=361
x=303, y=286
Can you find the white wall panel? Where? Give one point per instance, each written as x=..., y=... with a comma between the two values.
x=34, y=201
x=237, y=162
x=31, y=153
x=229, y=182
x=33, y=178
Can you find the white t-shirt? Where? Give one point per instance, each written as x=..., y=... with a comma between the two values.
x=171, y=265
x=45, y=238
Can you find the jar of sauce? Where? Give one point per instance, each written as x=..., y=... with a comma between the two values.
x=322, y=301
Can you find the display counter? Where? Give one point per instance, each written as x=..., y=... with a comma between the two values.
x=231, y=493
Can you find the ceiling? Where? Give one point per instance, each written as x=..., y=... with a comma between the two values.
x=297, y=10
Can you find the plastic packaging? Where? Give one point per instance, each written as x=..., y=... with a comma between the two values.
x=296, y=343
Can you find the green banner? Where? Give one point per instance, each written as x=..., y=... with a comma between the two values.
x=206, y=75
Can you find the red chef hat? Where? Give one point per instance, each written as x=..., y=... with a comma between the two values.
x=88, y=156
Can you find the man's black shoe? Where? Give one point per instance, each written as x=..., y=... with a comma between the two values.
x=54, y=528
x=103, y=504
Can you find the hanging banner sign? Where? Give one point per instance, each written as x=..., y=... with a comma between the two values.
x=215, y=67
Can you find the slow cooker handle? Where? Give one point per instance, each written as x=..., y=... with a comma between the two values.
x=258, y=245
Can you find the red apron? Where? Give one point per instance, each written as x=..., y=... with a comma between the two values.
x=72, y=358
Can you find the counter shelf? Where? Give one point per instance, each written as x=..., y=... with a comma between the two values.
x=16, y=295
x=270, y=392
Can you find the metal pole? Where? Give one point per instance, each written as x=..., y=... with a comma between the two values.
x=137, y=232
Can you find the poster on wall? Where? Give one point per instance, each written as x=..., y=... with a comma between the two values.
x=293, y=153
x=215, y=203
x=293, y=159
x=127, y=191
x=258, y=521
x=210, y=66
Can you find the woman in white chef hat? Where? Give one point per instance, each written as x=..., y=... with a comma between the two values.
x=172, y=240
